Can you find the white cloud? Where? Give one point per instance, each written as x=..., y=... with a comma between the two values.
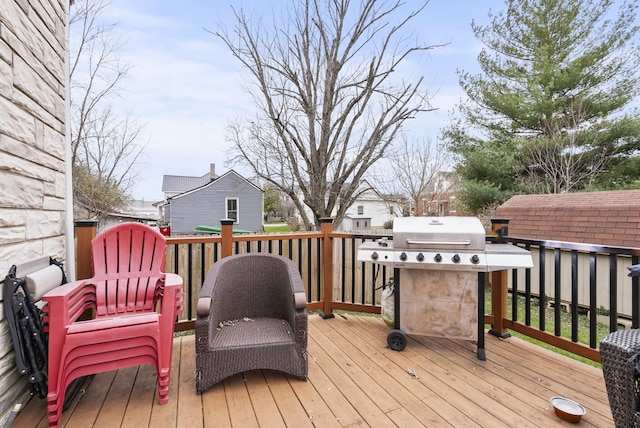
x=186, y=86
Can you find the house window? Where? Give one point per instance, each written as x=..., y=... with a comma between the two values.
x=232, y=209
x=452, y=205
x=360, y=209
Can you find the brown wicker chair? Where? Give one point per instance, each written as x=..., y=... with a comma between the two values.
x=620, y=352
x=251, y=315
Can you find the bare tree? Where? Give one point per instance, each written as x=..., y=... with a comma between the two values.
x=329, y=104
x=104, y=143
x=417, y=170
x=564, y=154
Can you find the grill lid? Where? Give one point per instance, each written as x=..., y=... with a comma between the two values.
x=450, y=233
x=451, y=243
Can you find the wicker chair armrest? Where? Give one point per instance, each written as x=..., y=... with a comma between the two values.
x=204, y=305
x=300, y=300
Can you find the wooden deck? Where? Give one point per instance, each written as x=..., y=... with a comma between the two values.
x=354, y=380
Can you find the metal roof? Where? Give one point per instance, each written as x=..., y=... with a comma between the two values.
x=181, y=183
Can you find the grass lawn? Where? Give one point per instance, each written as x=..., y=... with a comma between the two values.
x=583, y=325
x=276, y=228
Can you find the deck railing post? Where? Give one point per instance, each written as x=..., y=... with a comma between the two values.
x=499, y=282
x=326, y=227
x=226, y=233
x=85, y=231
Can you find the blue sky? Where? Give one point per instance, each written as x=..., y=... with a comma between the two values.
x=185, y=86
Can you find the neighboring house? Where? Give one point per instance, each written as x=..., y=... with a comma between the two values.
x=36, y=218
x=440, y=198
x=229, y=196
x=138, y=211
x=143, y=209
x=114, y=219
x=285, y=210
x=369, y=204
x=173, y=185
x=356, y=222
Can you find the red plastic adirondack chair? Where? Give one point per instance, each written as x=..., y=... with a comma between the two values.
x=135, y=305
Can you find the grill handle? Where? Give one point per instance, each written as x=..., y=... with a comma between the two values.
x=427, y=243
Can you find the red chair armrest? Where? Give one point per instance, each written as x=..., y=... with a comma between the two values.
x=66, y=303
x=172, y=296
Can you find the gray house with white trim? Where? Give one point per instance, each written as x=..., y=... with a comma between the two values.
x=215, y=197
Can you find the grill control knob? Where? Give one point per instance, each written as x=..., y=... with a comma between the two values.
x=475, y=259
x=438, y=258
x=403, y=256
x=455, y=258
x=420, y=257
x=374, y=255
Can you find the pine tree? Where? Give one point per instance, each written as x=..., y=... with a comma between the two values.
x=550, y=110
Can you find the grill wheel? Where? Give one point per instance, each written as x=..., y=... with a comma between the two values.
x=397, y=340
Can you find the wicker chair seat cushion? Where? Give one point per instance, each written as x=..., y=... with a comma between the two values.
x=252, y=332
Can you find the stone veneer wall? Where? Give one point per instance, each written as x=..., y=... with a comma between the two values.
x=33, y=51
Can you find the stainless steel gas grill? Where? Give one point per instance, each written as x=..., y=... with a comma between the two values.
x=439, y=271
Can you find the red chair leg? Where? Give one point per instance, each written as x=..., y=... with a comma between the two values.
x=55, y=401
x=164, y=376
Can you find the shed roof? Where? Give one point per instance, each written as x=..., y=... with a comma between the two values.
x=601, y=218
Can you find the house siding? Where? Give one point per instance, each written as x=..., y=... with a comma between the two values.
x=375, y=209
x=207, y=205
x=33, y=104
x=373, y=206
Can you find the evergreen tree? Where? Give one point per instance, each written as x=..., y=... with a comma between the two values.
x=550, y=110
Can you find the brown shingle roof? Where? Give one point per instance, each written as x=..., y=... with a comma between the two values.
x=602, y=218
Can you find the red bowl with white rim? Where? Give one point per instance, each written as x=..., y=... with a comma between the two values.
x=567, y=410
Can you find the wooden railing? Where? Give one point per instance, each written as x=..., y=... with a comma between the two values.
x=570, y=285
x=335, y=280
x=339, y=283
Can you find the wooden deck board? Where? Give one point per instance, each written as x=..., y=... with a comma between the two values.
x=449, y=403
x=214, y=408
x=387, y=373
x=115, y=403
x=354, y=380
x=239, y=403
x=189, y=401
x=262, y=401
x=169, y=412
x=138, y=411
x=320, y=374
x=283, y=393
x=85, y=410
x=363, y=394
